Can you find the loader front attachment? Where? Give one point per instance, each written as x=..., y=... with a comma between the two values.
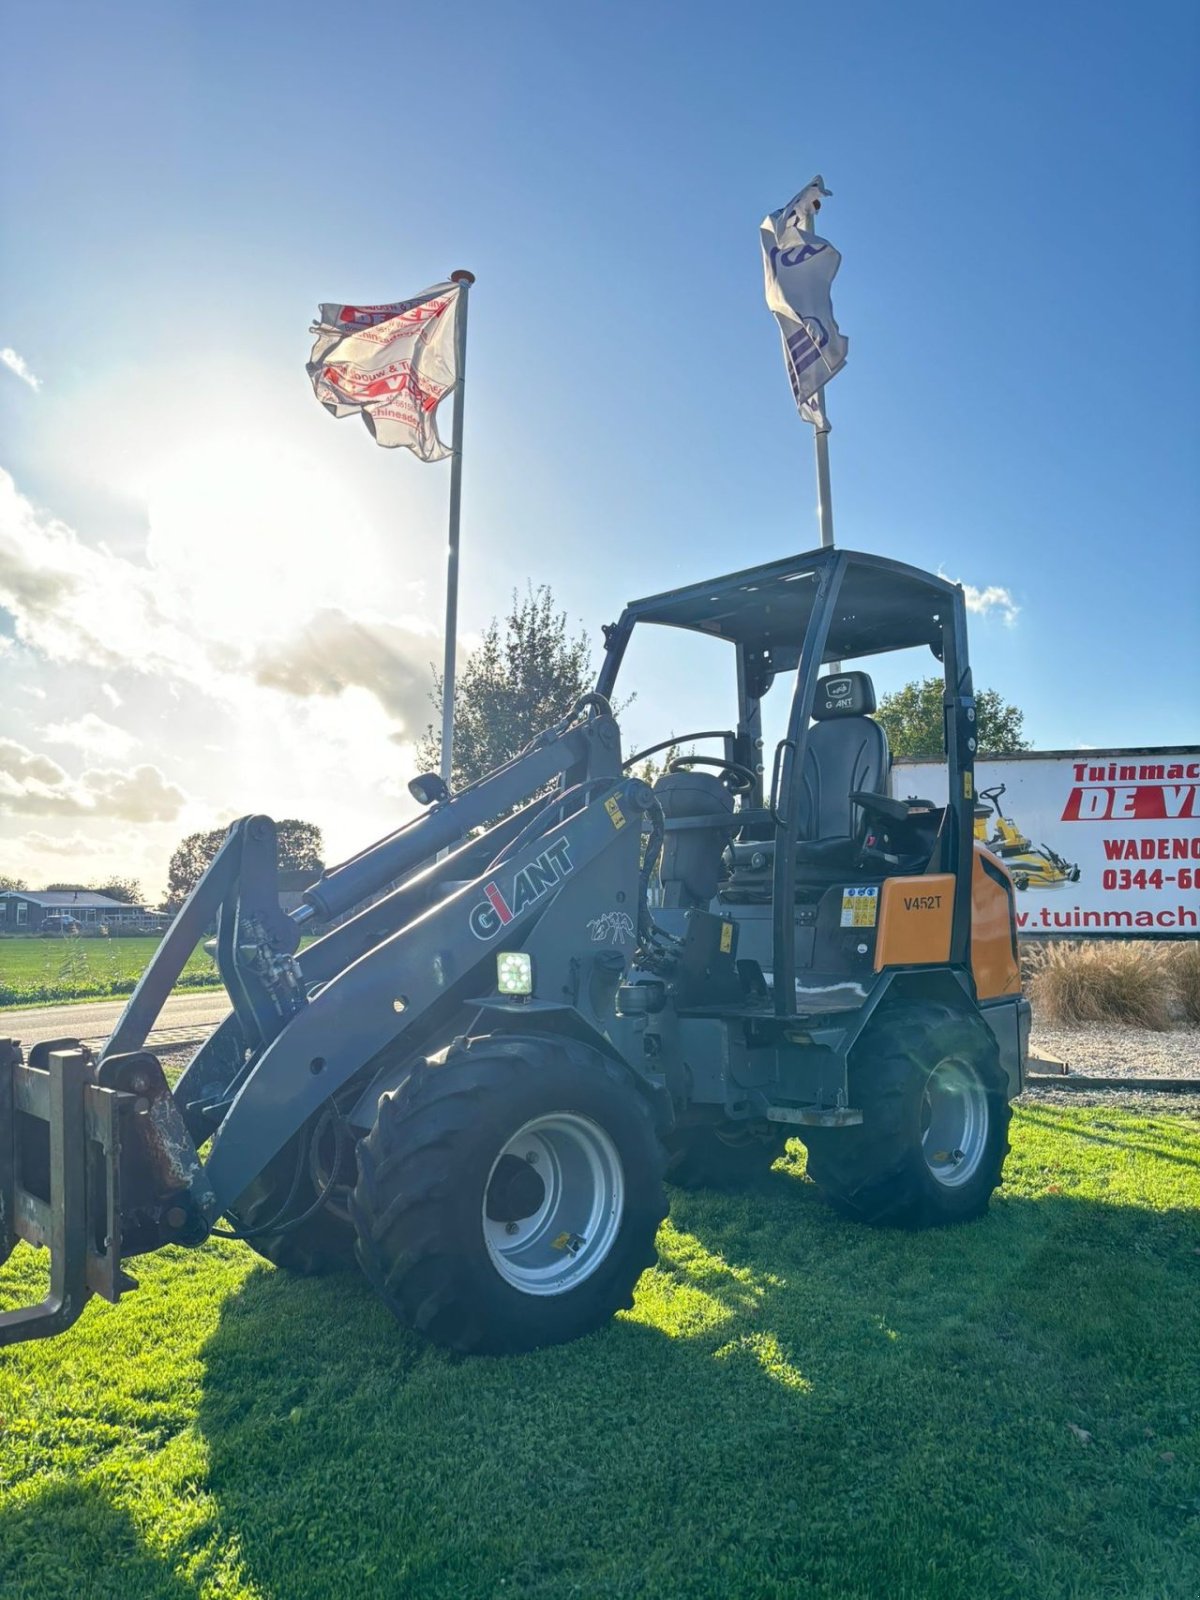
x=99, y=1156
x=96, y=1165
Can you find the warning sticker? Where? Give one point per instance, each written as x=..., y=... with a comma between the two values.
x=860, y=907
x=726, y=938
x=615, y=815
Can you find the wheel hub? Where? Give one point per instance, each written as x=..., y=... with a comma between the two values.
x=553, y=1204
x=515, y=1191
x=955, y=1118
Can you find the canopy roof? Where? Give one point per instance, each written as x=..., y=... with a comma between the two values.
x=882, y=605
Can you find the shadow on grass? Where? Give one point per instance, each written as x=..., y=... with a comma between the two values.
x=97, y=1553
x=1156, y=1137
x=791, y=1394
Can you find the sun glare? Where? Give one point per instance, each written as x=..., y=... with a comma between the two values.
x=251, y=534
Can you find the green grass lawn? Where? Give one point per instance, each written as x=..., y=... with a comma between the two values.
x=795, y=1407
x=35, y=971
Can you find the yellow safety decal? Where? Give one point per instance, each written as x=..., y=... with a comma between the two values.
x=615, y=815
x=726, y=938
x=968, y=787
x=860, y=907
x=561, y=1242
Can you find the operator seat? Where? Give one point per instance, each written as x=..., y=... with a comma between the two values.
x=698, y=820
x=847, y=750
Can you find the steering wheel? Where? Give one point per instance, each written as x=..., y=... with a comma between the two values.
x=739, y=778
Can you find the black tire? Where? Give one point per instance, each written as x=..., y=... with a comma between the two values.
x=881, y=1172
x=325, y=1242
x=432, y=1162
x=729, y=1157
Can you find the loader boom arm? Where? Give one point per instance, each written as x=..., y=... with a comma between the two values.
x=239, y=887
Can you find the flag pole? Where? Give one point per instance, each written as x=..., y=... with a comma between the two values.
x=824, y=492
x=821, y=448
x=821, y=433
x=466, y=279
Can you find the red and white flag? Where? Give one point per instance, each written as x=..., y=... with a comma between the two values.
x=392, y=365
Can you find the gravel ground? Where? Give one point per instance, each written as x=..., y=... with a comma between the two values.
x=1094, y=1050
x=1111, y=1052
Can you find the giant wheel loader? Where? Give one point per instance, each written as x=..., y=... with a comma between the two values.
x=476, y=1084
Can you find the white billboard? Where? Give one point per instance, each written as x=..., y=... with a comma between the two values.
x=1100, y=843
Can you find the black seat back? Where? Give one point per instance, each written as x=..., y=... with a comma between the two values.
x=698, y=812
x=847, y=750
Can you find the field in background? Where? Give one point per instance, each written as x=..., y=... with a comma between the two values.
x=35, y=971
x=795, y=1405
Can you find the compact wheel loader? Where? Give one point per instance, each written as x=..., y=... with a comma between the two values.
x=475, y=1085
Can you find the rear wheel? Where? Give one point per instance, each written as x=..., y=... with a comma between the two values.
x=509, y=1196
x=731, y=1156
x=934, y=1135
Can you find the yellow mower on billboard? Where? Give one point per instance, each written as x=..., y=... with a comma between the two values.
x=1032, y=867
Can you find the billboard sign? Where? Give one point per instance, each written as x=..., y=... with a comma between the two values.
x=1100, y=843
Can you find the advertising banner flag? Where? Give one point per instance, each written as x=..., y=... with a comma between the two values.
x=799, y=269
x=1096, y=843
x=390, y=364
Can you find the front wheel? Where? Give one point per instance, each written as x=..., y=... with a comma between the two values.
x=934, y=1135
x=509, y=1195
x=310, y=1242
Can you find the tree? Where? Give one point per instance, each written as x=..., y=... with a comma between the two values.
x=300, y=850
x=8, y=884
x=127, y=890
x=516, y=683
x=913, y=719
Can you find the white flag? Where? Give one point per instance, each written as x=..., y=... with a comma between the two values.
x=799, y=269
x=391, y=365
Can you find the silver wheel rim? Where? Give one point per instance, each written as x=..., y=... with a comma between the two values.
x=570, y=1227
x=954, y=1122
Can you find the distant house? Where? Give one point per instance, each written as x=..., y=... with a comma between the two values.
x=22, y=911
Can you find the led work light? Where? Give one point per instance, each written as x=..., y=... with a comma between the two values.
x=514, y=972
x=427, y=789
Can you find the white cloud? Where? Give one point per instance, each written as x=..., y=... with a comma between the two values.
x=111, y=695
x=34, y=785
x=76, y=603
x=93, y=734
x=995, y=598
x=16, y=364
x=334, y=651
x=60, y=844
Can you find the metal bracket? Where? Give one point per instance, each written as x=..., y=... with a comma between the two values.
x=59, y=1187
x=816, y=1116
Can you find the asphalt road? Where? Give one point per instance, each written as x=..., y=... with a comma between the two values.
x=185, y=1016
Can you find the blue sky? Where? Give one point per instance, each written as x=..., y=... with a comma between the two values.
x=1014, y=200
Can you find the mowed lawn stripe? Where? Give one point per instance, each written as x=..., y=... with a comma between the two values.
x=795, y=1405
